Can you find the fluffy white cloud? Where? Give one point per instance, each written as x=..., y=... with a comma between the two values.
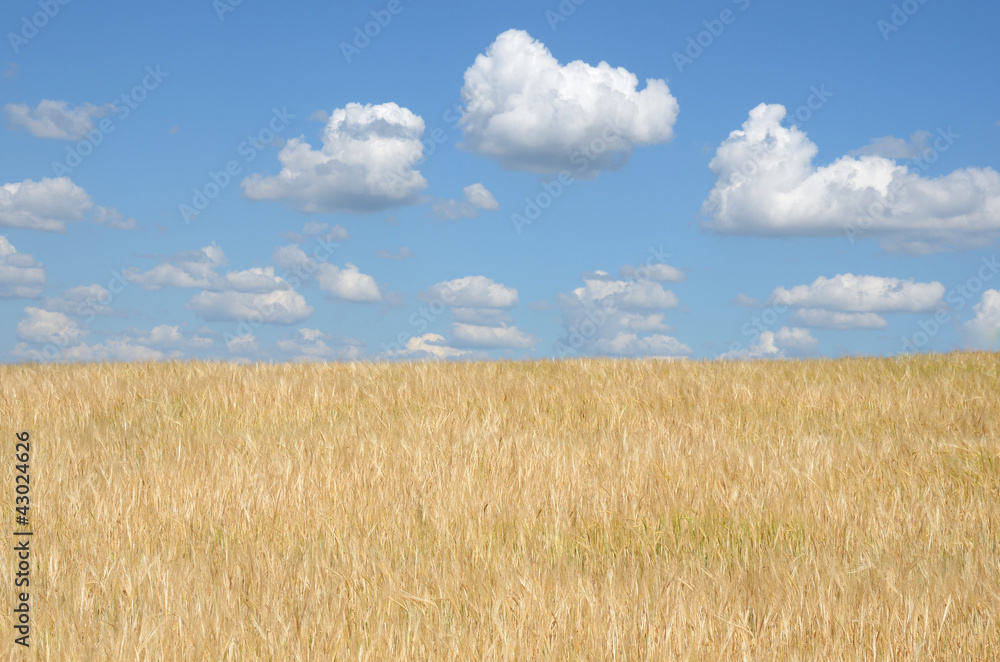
x=478, y=335
x=256, y=279
x=795, y=339
x=165, y=336
x=314, y=345
x=819, y=318
x=530, y=113
x=277, y=307
x=195, y=269
x=56, y=119
x=472, y=292
x=20, y=275
x=767, y=184
x=429, y=345
x=44, y=205
x=662, y=273
x=618, y=318
x=45, y=326
x=348, y=283
x=627, y=295
x=984, y=329
x=476, y=198
x=774, y=345
x=861, y=294
x=366, y=163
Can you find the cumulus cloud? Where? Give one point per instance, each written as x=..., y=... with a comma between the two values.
x=529, y=112
x=427, y=346
x=277, y=307
x=366, y=163
x=767, y=184
x=348, y=283
x=861, y=294
x=44, y=205
x=819, y=318
x=984, y=329
x=242, y=344
x=472, y=292
x=314, y=345
x=187, y=269
x=476, y=198
x=774, y=345
x=20, y=275
x=618, y=318
x=55, y=119
x=478, y=335
x=44, y=326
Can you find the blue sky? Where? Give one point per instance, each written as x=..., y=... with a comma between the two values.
x=394, y=180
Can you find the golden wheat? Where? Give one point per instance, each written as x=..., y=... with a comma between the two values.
x=589, y=509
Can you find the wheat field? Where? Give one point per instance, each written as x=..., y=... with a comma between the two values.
x=586, y=510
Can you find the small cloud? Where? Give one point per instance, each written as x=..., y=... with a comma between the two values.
x=476, y=198
x=56, y=119
x=113, y=218
x=403, y=253
x=429, y=345
x=745, y=301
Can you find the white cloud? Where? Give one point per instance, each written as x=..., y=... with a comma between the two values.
x=618, y=318
x=476, y=198
x=84, y=300
x=114, y=349
x=195, y=269
x=630, y=344
x=429, y=345
x=984, y=329
x=861, y=294
x=795, y=339
x=20, y=275
x=472, y=292
x=44, y=326
x=818, y=318
x=348, y=283
x=56, y=119
x=365, y=164
x=477, y=335
x=256, y=279
x=767, y=185
x=44, y=205
x=314, y=345
x=530, y=113
x=242, y=344
x=278, y=307
x=113, y=218
x=165, y=336
x=763, y=348
x=662, y=273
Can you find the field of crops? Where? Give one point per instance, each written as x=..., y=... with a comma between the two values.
x=589, y=509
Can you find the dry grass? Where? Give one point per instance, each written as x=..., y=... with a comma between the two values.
x=598, y=510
